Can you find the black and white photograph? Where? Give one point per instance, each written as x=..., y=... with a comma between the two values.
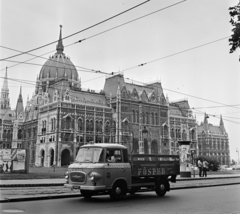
x=120, y=106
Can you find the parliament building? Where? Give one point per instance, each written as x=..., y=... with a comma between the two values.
x=61, y=116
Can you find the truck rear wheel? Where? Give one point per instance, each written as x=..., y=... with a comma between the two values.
x=86, y=193
x=161, y=188
x=118, y=191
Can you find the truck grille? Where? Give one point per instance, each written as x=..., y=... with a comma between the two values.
x=77, y=177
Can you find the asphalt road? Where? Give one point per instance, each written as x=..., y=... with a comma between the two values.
x=220, y=199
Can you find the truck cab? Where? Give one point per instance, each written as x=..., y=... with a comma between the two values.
x=98, y=168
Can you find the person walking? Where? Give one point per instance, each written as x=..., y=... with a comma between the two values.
x=200, y=167
x=205, y=168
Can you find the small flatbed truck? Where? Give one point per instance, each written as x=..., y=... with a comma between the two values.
x=107, y=168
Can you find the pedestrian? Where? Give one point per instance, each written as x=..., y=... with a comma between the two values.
x=205, y=168
x=200, y=167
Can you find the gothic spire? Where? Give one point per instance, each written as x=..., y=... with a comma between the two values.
x=222, y=127
x=19, y=107
x=60, y=46
x=5, y=82
x=221, y=121
x=4, y=99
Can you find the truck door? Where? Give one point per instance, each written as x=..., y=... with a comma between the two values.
x=117, y=167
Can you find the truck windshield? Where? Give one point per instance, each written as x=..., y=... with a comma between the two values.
x=93, y=155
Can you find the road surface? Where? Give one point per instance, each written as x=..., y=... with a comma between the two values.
x=221, y=200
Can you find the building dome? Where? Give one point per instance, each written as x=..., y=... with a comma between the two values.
x=58, y=65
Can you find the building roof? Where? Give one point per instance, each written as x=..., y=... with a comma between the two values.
x=112, y=84
x=58, y=65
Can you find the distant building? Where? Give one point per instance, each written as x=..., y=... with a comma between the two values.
x=6, y=117
x=213, y=141
x=183, y=126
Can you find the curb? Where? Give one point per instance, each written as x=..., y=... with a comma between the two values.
x=46, y=197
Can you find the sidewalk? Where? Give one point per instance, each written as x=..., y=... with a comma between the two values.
x=39, y=189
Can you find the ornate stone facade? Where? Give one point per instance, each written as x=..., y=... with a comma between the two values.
x=213, y=141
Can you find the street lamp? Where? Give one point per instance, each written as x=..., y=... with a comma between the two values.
x=237, y=150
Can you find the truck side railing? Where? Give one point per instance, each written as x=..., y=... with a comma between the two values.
x=154, y=157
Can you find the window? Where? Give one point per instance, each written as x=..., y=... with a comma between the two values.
x=156, y=118
x=80, y=125
x=133, y=116
x=147, y=117
x=91, y=125
x=114, y=155
x=87, y=126
x=172, y=133
x=184, y=135
x=143, y=117
x=68, y=122
x=92, y=155
x=137, y=114
x=100, y=126
x=19, y=134
x=107, y=127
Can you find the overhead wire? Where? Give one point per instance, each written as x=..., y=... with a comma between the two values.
x=38, y=56
x=174, y=54
x=112, y=17
x=91, y=36
x=133, y=20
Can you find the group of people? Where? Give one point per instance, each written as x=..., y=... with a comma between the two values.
x=203, y=167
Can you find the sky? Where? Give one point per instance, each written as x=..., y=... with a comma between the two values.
x=184, y=45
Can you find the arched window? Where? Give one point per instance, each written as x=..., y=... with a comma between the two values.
x=54, y=123
x=178, y=134
x=165, y=130
x=172, y=133
x=143, y=117
x=147, y=117
x=5, y=134
x=19, y=134
x=193, y=134
x=80, y=125
x=137, y=114
x=100, y=126
x=107, y=127
x=156, y=118
x=87, y=126
x=68, y=122
x=114, y=126
x=184, y=135
x=91, y=125
x=51, y=124
x=152, y=115
x=133, y=116
x=125, y=125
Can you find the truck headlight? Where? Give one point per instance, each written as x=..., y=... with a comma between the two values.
x=66, y=175
x=94, y=176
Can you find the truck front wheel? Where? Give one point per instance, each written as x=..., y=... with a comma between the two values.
x=161, y=188
x=118, y=191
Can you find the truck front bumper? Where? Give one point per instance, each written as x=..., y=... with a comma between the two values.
x=92, y=188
